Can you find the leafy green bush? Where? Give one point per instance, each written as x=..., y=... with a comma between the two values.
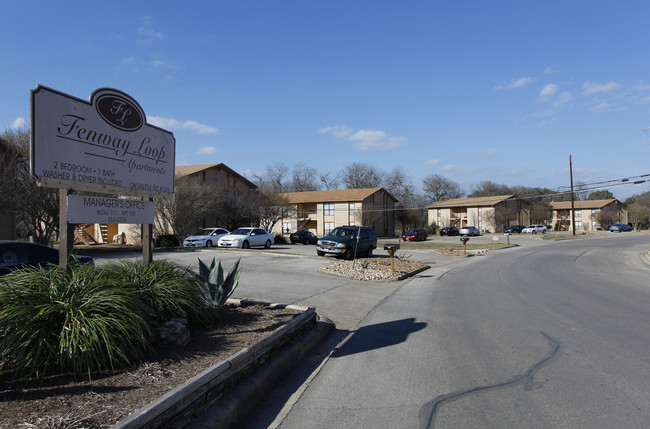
x=432, y=229
x=280, y=239
x=53, y=319
x=166, y=240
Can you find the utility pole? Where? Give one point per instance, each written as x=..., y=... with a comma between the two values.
x=573, y=216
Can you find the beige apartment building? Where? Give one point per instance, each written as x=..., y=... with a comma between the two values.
x=322, y=211
x=217, y=174
x=587, y=213
x=488, y=214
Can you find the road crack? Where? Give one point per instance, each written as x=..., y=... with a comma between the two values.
x=428, y=411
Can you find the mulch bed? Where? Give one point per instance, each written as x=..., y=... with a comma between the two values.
x=73, y=401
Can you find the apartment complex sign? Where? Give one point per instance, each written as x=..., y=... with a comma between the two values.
x=104, y=145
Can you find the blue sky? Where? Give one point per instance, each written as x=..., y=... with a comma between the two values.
x=501, y=90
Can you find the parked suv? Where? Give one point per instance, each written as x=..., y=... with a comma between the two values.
x=348, y=241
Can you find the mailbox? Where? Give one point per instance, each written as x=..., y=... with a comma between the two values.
x=464, y=239
x=391, y=247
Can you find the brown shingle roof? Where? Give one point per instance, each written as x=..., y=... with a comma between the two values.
x=471, y=202
x=186, y=170
x=332, y=196
x=582, y=204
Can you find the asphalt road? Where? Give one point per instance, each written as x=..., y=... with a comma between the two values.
x=545, y=335
x=548, y=335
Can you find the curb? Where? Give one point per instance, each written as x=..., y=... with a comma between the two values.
x=226, y=386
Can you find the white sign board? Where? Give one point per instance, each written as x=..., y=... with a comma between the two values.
x=104, y=145
x=89, y=209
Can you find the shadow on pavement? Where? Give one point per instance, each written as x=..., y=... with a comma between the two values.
x=379, y=335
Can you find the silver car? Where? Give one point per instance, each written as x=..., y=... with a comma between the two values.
x=469, y=230
x=534, y=229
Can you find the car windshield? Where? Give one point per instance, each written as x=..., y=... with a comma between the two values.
x=241, y=231
x=341, y=232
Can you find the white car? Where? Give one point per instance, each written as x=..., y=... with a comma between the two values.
x=247, y=237
x=534, y=229
x=206, y=237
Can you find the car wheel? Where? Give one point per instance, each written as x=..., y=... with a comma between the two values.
x=534, y=232
x=267, y=245
x=245, y=245
x=349, y=254
x=208, y=243
x=369, y=253
x=319, y=253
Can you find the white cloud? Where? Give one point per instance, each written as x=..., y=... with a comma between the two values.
x=176, y=124
x=521, y=82
x=602, y=107
x=18, y=123
x=590, y=88
x=365, y=139
x=376, y=140
x=517, y=171
x=564, y=97
x=146, y=32
x=641, y=86
x=437, y=164
x=489, y=151
x=339, y=131
x=549, y=70
x=206, y=150
x=157, y=64
x=549, y=89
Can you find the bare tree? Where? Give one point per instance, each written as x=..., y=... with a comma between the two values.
x=183, y=211
x=272, y=208
x=540, y=213
x=275, y=178
x=500, y=217
x=35, y=209
x=329, y=180
x=304, y=179
x=409, y=209
x=489, y=189
x=359, y=176
x=439, y=188
x=606, y=218
x=603, y=194
x=638, y=214
x=236, y=206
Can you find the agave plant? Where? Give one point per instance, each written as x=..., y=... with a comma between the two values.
x=219, y=287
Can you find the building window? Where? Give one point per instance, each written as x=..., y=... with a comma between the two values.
x=439, y=213
x=440, y=224
x=579, y=213
x=480, y=211
x=578, y=224
x=286, y=227
x=593, y=225
x=593, y=212
x=351, y=223
x=328, y=208
x=351, y=205
x=329, y=226
x=480, y=225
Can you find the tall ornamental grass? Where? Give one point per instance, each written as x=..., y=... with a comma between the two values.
x=57, y=320
x=90, y=319
x=165, y=290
